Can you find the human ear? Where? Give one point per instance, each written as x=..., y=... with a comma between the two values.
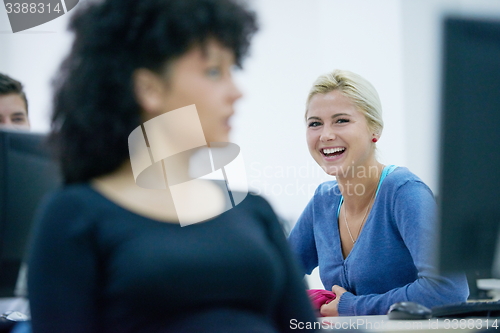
x=149, y=90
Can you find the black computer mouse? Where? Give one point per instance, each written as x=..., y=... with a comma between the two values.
x=408, y=311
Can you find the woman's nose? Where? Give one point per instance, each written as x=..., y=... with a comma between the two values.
x=234, y=93
x=328, y=134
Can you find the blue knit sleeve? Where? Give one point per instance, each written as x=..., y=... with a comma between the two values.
x=302, y=240
x=413, y=211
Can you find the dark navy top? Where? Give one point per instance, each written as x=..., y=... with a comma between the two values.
x=97, y=267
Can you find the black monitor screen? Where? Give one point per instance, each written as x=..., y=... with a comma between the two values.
x=26, y=174
x=469, y=180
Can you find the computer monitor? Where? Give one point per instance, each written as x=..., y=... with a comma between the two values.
x=469, y=174
x=27, y=173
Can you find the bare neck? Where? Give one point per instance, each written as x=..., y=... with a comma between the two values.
x=359, y=187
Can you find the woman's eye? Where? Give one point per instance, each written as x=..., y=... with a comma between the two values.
x=214, y=72
x=342, y=120
x=314, y=124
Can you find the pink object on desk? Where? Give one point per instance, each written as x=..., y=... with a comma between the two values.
x=320, y=296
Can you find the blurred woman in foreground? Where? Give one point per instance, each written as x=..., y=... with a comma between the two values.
x=109, y=256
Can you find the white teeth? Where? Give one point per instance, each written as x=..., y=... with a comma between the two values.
x=332, y=150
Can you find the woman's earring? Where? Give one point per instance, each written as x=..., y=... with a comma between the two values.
x=374, y=140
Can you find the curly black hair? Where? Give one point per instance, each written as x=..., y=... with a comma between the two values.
x=94, y=103
x=9, y=85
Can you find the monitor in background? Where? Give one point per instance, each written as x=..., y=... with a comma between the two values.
x=26, y=174
x=469, y=178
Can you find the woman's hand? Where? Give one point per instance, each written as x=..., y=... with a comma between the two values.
x=331, y=309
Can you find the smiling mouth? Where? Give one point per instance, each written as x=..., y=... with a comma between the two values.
x=329, y=152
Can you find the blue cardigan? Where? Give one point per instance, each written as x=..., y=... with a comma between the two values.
x=392, y=258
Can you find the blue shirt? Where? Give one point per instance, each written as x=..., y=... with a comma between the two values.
x=392, y=258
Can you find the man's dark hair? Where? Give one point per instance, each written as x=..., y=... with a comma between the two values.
x=94, y=104
x=9, y=86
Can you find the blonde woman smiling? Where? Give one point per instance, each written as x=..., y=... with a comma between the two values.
x=369, y=231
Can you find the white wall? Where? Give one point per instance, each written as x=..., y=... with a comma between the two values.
x=298, y=41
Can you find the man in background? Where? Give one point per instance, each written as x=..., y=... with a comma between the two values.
x=14, y=116
x=13, y=104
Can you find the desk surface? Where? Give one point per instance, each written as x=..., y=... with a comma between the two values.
x=383, y=324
